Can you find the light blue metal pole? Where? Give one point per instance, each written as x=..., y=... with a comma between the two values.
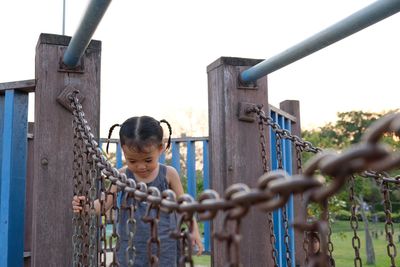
x=363, y=18
x=86, y=29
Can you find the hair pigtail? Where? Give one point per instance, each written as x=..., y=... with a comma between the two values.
x=109, y=135
x=170, y=132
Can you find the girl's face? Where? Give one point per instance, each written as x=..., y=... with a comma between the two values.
x=314, y=245
x=142, y=163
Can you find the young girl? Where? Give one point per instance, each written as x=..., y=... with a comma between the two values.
x=141, y=140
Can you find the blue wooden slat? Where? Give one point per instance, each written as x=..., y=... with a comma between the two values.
x=176, y=158
x=290, y=207
x=100, y=144
x=162, y=158
x=277, y=214
x=287, y=166
x=191, y=168
x=2, y=102
x=282, y=252
x=12, y=177
x=119, y=156
x=206, y=185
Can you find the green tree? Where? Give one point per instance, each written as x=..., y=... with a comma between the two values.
x=348, y=130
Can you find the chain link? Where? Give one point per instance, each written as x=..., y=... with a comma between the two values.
x=355, y=241
x=286, y=239
x=154, y=258
x=265, y=164
x=130, y=207
x=369, y=154
x=389, y=230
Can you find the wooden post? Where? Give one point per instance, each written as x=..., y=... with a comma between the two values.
x=53, y=145
x=235, y=153
x=293, y=108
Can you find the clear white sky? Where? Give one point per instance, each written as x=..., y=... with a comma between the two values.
x=155, y=54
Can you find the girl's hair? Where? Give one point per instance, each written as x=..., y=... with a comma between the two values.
x=140, y=132
x=313, y=235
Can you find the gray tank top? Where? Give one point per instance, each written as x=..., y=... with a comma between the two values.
x=168, y=222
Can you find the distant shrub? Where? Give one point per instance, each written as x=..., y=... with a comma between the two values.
x=342, y=215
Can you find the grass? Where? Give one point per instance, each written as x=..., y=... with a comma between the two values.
x=203, y=260
x=342, y=241
x=343, y=252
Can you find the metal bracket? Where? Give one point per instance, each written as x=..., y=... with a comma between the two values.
x=63, y=100
x=64, y=68
x=80, y=68
x=246, y=86
x=244, y=112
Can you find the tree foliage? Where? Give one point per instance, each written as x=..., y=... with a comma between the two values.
x=346, y=131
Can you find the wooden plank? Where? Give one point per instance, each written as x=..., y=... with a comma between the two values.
x=28, y=200
x=235, y=154
x=2, y=102
x=293, y=107
x=27, y=86
x=12, y=177
x=53, y=147
x=191, y=168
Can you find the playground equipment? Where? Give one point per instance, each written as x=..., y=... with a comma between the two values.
x=235, y=93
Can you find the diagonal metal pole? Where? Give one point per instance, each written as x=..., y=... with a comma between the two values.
x=363, y=18
x=81, y=39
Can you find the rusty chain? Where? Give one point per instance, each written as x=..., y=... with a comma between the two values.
x=130, y=252
x=77, y=221
x=355, y=241
x=154, y=259
x=271, y=193
x=286, y=239
x=265, y=164
x=389, y=229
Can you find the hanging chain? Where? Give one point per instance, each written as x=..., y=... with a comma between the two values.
x=355, y=241
x=114, y=220
x=330, y=244
x=186, y=246
x=263, y=145
x=286, y=239
x=77, y=190
x=285, y=134
x=231, y=240
x=154, y=259
x=299, y=168
x=354, y=160
x=391, y=248
x=130, y=207
x=265, y=164
x=102, y=224
x=93, y=217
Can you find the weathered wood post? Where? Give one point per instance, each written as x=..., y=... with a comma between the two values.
x=293, y=108
x=235, y=153
x=53, y=145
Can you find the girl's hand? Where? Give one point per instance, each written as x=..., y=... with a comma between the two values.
x=77, y=204
x=197, y=241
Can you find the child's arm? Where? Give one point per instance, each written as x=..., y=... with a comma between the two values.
x=176, y=185
x=77, y=202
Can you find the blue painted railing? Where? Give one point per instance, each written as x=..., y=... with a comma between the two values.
x=279, y=226
x=174, y=157
x=13, y=156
